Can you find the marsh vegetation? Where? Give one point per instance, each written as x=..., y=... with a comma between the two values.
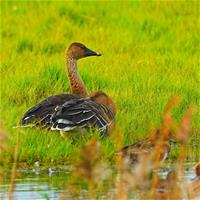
x=149, y=54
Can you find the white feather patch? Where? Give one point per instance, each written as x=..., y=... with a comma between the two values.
x=62, y=129
x=64, y=121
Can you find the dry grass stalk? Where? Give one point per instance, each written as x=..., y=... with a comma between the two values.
x=169, y=188
x=4, y=137
x=91, y=168
x=140, y=160
x=194, y=186
x=137, y=164
x=14, y=168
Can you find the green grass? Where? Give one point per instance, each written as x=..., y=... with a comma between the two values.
x=150, y=53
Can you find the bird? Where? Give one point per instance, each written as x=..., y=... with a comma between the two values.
x=85, y=113
x=51, y=111
x=157, y=146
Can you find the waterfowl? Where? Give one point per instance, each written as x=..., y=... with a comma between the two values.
x=96, y=111
x=85, y=110
x=156, y=146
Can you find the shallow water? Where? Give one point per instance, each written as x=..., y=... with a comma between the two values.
x=36, y=184
x=29, y=188
x=51, y=184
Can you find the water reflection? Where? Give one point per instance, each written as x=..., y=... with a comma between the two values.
x=52, y=183
x=36, y=184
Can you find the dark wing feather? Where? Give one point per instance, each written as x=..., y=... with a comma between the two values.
x=81, y=113
x=41, y=113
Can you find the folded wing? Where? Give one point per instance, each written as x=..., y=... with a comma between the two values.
x=81, y=113
x=41, y=113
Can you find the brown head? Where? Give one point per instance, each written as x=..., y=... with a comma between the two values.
x=102, y=98
x=77, y=51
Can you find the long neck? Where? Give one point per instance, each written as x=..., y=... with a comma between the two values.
x=77, y=85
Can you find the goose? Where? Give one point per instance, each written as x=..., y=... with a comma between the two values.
x=96, y=111
x=77, y=110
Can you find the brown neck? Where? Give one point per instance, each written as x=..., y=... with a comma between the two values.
x=77, y=85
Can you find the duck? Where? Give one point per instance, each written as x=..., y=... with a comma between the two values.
x=78, y=109
x=157, y=146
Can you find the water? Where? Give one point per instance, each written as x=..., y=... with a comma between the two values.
x=50, y=184
x=29, y=188
x=36, y=184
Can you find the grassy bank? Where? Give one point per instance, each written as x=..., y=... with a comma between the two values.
x=149, y=55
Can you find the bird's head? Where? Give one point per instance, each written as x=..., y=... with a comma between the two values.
x=77, y=51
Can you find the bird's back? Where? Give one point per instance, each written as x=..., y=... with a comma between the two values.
x=41, y=113
x=82, y=113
